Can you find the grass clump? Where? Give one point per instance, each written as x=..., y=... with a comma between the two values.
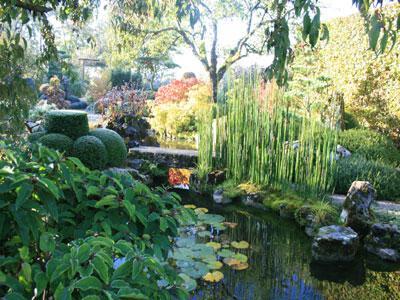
x=231, y=189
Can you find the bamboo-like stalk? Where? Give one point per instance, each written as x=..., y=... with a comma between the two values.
x=255, y=134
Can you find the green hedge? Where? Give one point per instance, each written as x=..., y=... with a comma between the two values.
x=91, y=151
x=58, y=142
x=115, y=146
x=384, y=178
x=73, y=124
x=35, y=136
x=370, y=144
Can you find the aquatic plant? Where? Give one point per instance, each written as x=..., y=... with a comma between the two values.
x=260, y=138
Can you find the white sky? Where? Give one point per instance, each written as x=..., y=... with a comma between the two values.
x=229, y=33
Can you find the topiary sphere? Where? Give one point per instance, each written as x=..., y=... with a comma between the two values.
x=115, y=146
x=69, y=122
x=58, y=142
x=35, y=136
x=91, y=151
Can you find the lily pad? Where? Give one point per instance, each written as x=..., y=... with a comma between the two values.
x=201, y=210
x=240, y=257
x=214, y=245
x=189, y=283
x=216, y=265
x=204, y=233
x=215, y=276
x=226, y=253
x=189, y=206
x=240, y=267
x=240, y=245
x=231, y=261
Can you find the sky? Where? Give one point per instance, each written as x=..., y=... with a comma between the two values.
x=228, y=34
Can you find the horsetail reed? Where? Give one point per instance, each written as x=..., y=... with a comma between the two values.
x=260, y=138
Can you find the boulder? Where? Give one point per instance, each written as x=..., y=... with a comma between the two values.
x=356, y=207
x=384, y=241
x=335, y=243
x=253, y=200
x=216, y=177
x=78, y=105
x=220, y=198
x=342, y=152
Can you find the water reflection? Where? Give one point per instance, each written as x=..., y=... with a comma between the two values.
x=281, y=266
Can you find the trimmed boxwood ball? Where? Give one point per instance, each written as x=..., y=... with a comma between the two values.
x=115, y=146
x=35, y=136
x=69, y=122
x=91, y=151
x=58, y=142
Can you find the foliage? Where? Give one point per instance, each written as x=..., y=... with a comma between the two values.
x=262, y=140
x=115, y=146
x=370, y=144
x=38, y=113
x=358, y=74
x=57, y=141
x=121, y=77
x=385, y=179
x=91, y=151
x=71, y=123
x=90, y=235
x=35, y=136
x=176, y=91
x=100, y=86
x=53, y=93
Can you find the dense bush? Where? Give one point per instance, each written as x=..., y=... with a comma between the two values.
x=120, y=77
x=89, y=236
x=58, y=142
x=73, y=124
x=370, y=144
x=115, y=146
x=91, y=151
x=176, y=91
x=35, y=136
x=385, y=179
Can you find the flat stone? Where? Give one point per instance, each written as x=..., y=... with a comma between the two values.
x=335, y=243
x=220, y=198
x=384, y=241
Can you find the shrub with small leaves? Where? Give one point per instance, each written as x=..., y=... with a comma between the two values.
x=91, y=151
x=73, y=124
x=57, y=141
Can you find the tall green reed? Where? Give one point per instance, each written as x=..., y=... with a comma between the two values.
x=259, y=137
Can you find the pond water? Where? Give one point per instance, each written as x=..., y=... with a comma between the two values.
x=281, y=266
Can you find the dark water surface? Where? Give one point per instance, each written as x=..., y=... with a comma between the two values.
x=281, y=266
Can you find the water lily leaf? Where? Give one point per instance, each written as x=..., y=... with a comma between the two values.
x=240, y=267
x=201, y=210
x=231, y=261
x=215, y=276
x=211, y=219
x=216, y=265
x=189, y=283
x=240, y=245
x=214, y=245
x=240, y=257
x=204, y=234
x=230, y=224
x=189, y=206
x=226, y=253
x=195, y=269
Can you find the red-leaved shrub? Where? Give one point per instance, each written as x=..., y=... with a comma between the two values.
x=175, y=91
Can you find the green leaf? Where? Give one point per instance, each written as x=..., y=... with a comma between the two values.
x=163, y=224
x=131, y=208
x=137, y=267
x=123, y=270
x=24, y=192
x=62, y=293
x=109, y=200
x=101, y=269
x=93, y=191
x=47, y=242
x=89, y=283
x=129, y=293
x=374, y=32
x=41, y=282
x=51, y=187
x=83, y=253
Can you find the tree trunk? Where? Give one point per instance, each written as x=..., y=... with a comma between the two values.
x=213, y=64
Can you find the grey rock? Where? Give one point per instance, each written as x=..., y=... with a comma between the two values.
x=135, y=163
x=220, y=198
x=384, y=241
x=356, y=212
x=342, y=152
x=335, y=243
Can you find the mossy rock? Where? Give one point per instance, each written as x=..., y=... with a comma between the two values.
x=57, y=141
x=73, y=124
x=91, y=151
x=35, y=136
x=115, y=146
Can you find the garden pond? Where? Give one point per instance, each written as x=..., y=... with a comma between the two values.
x=281, y=267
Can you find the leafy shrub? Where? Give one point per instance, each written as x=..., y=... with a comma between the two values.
x=91, y=151
x=53, y=93
x=115, y=146
x=35, y=136
x=90, y=235
x=176, y=91
x=121, y=77
x=73, y=124
x=370, y=144
x=38, y=113
x=58, y=142
x=384, y=178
